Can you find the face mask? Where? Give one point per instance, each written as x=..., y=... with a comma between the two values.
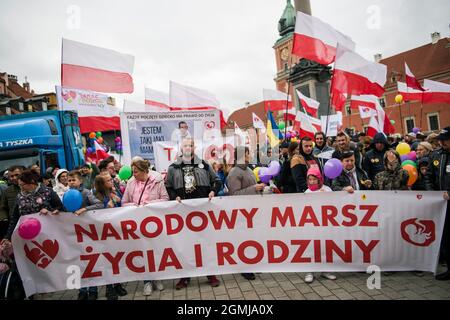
x=314, y=187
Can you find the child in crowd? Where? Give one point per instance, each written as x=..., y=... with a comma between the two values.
x=315, y=183
x=90, y=202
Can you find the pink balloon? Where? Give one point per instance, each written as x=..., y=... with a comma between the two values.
x=412, y=156
x=29, y=228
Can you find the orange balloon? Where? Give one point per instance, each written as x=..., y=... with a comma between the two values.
x=413, y=174
x=92, y=135
x=100, y=140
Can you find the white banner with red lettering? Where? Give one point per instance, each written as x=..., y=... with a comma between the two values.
x=397, y=231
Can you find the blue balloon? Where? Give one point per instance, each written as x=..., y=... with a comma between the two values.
x=72, y=200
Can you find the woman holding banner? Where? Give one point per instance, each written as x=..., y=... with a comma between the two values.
x=146, y=187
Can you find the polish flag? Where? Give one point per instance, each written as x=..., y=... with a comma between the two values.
x=411, y=80
x=157, y=98
x=408, y=94
x=436, y=92
x=257, y=122
x=290, y=114
x=373, y=128
x=366, y=104
x=183, y=97
x=355, y=75
x=93, y=68
x=338, y=100
x=304, y=125
x=99, y=154
x=311, y=106
x=275, y=100
x=384, y=122
x=316, y=40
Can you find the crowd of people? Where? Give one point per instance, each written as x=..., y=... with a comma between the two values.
x=368, y=164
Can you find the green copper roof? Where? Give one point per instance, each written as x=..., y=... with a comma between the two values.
x=286, y=24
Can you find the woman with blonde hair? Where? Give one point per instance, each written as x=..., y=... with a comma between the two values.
x=146, y=187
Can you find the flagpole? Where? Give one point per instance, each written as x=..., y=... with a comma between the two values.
x=421, y=111
x=287, y=97
x=329, y=103
x=401, y=117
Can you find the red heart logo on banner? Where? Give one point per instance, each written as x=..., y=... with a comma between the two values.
x=419, y=196
x=210, y=124
x=42, y=254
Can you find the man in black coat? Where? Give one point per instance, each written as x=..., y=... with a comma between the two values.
x=438, y=178
x=352, y=178
x=373, y=160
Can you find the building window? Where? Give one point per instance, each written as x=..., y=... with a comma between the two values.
x=433, y=121
x=382, y=102
x=409, y=124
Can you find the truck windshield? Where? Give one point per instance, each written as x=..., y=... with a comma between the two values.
x=26, y=162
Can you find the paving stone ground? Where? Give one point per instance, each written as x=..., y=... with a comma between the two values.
x=289, y=286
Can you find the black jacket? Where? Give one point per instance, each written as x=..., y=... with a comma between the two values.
x=373, y=160
x=437, y=178
x=287, y=183
x=206, y=180
x=358, y=158
x=299, y=168
x=343, y=181
x=8, y=201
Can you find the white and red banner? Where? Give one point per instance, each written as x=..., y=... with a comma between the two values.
x=94, y=111
x=272, y=233
x=311, y=106
x=436, y=92
x=316, y=40
x=411, y=80
x=409, y=94
x=355, y=75
x=275, y=100
x=93, y=68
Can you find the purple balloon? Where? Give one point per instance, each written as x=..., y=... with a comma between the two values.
x=412, y=156
x=415, y=130
x=404, y=157
x=332, y=168
x=288, y=135
x=263, y=171
x=274, y=168
x=265, y=179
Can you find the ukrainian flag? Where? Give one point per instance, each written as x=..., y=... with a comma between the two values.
x=273, y=132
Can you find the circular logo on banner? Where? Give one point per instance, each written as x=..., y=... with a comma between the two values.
x=436, y=163
x=420, y=233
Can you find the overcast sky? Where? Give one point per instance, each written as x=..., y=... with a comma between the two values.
x=221, y=46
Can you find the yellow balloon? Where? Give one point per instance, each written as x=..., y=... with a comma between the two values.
x=256, y=173
x=399, y=98
x=403, y=148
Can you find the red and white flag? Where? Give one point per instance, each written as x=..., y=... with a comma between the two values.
x=409, y=94
x=338, y=100
x=290, y=114
x=436, y=92
x=355, y=75
x=316, y=40
x=183, y=97
x=304, y=125
x=93, y=68
x=373, y=128
x=366, y=104
x=411, y=80
x=384, y=122
x=157, y=98
x=275, y=100
x=257, y=122
x=311, y=106
x=98, y=155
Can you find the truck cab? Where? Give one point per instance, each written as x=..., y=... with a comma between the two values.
x=48, y=138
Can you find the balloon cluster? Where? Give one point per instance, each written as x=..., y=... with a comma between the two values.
x=408, y=159
x=292, y=136
x=91, y=142
x=264, y=174
x=118, y=142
